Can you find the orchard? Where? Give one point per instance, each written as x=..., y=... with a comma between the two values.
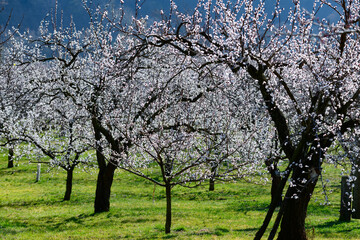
x=231, y=91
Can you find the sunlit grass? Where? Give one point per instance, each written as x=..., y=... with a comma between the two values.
x=30, y=210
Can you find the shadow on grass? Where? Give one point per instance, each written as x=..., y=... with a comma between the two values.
x=11, y=228
x=77, y=220
x=339, y=226
x=170, y=236
x=330, y=224
x=204, y=232
x=246, y=206
x=5, y=231
x=50, y=201
x=322, y=210
x=36, y=202
x=11, y=171
x=246, y=230
x=137, y=220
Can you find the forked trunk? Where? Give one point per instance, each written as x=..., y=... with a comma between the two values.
x=277, y=198
x=105, y=176
x=69, y=179
x=168, y=207
x=11, y=158
x=103, y=188
x=295, y=204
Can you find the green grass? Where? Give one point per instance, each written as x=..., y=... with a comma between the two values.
x=30, y=210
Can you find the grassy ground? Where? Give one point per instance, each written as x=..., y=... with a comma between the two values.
x=30, y=210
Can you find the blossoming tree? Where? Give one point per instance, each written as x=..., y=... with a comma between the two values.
x=305, y=70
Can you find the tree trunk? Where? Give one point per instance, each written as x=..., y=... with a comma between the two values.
x=273, y=205
x=103, y=188
x=275, y=185
x=69, y=179
x=296, y=202
x=356, y=192
x=11, y=158
x=168, y=207
x=105, y=176
x=345, y=202
x=275, y=182
x=212, y=178
x=211, y=184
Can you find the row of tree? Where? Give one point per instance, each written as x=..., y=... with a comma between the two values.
x=218, y=93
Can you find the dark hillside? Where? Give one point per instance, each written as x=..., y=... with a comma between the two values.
x=31, y=12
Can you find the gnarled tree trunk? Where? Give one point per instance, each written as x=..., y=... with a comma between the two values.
x=275, y=181
x=298, y=195
x=103, y=188
x=105, y=176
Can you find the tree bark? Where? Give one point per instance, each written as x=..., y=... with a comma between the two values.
x=211, y=184
x=69, y=180
x=297, y=199
x=275, y=185
x=103, y=188
x=212, y=178
x=105, y=176
x=11, y=158
x=272, y=207
x=275, y=181
x=345, y=202
x=168, y=207
x=356, y=192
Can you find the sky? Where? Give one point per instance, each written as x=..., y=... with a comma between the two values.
x=31, y=12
